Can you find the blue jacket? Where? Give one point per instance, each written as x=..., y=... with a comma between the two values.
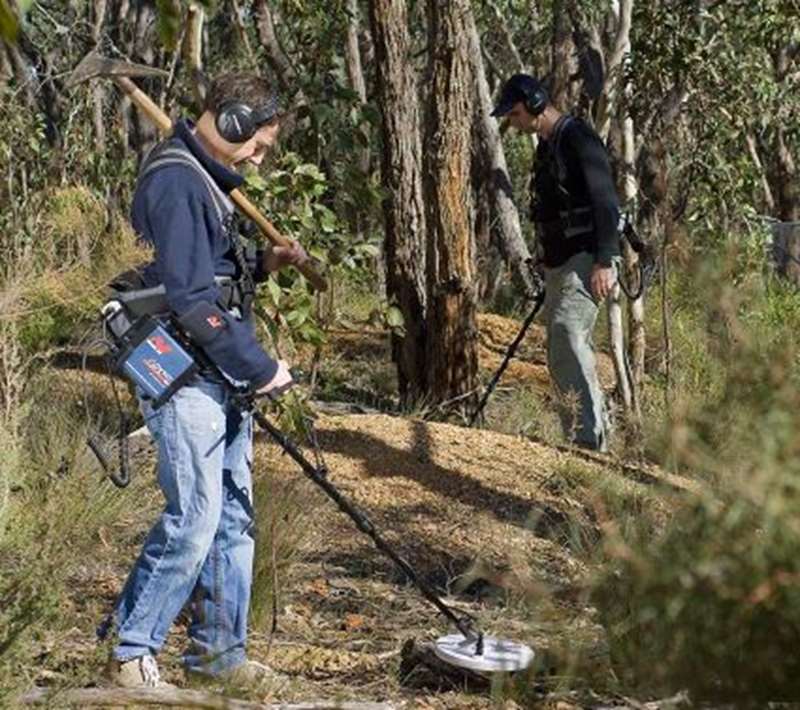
x=174, y=212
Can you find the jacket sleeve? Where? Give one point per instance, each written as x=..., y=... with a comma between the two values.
x=178, y=224
x=593, y=159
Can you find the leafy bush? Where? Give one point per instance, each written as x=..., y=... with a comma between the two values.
x=713, y=605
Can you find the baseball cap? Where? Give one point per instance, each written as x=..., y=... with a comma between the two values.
x=518, y=88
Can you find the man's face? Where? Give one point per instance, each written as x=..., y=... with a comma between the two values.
x=519, y=117
x=254, y=150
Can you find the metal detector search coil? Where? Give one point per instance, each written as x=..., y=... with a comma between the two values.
x=495, y=656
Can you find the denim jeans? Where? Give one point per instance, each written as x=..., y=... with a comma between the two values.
x=200, y=549
x=571, y=313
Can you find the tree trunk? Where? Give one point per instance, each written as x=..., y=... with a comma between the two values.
x=403, y=208
x=613, y=87
x=277, y=58
x=241, y=31
x=562, y=57
x=98, y=90
x=356, y=75
x=6, y=71
x=452, y=336
x=193, y=53
x=491, y=158
x=144, y=22
x=637, y=336
x=616, y=337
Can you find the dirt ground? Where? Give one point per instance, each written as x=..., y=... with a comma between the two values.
x=503, y=527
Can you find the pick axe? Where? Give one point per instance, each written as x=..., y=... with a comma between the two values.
x=93, y=66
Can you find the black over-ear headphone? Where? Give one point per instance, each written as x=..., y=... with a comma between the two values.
x=536, y=96
x=237, y=121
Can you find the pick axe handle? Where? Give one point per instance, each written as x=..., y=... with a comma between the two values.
x=162, y=121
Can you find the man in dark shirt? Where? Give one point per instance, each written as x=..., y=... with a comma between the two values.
x=574, y=205
x=200, y=550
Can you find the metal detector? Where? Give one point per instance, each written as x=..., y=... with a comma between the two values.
x=470, y=649
x=155, y=354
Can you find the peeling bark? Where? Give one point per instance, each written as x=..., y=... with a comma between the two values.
x=193, y=52
x=98, y=88
x=403, y=208
x=491, y=162
x=452, y=364
x=355, y=75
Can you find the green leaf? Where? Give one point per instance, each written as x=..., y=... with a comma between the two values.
x=170, y=17
x=394, y=317
x=274, y=290
x=255, y=181
x=370, y=250
x=310, y=170
x=9, y=25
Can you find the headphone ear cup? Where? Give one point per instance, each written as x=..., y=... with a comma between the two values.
x=235, y=122
x=536, y=101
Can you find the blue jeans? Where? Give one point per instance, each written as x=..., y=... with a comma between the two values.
x=200, y=549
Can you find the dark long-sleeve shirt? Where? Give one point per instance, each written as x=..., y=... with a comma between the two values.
x=584, y=181
x=174, y=211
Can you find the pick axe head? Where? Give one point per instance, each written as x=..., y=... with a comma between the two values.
x=93, y=66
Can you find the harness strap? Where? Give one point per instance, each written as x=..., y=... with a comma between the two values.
x=170, y=154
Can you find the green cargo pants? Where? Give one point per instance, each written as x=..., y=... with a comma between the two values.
x=571, y=313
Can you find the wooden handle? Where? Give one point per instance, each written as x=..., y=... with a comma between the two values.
x=251, y=211
x=162, y=121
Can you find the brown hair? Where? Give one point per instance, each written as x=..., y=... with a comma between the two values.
x=250, y=89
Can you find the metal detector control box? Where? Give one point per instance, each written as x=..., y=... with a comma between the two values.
x=154, y=360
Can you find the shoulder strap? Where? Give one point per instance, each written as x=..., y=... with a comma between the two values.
x=561, y=163
x=170, y=154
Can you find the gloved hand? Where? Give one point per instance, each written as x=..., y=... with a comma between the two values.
x=282, y=382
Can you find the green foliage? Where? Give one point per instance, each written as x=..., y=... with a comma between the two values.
x=293, y=194
x=9, y=22
x=49, y=533
x=717, y=591
x=171, y=18
x=723, y=58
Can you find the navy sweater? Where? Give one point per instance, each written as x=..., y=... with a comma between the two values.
x=174, y=212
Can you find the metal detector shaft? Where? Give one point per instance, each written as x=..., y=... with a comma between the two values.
x=512, y=349
x=364, y=524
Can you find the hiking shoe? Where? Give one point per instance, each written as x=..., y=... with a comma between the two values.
x=140, y=672
x=252, y=674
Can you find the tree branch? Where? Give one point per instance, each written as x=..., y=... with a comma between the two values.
x=176, y=697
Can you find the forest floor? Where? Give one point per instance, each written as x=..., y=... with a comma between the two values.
x=509, y=529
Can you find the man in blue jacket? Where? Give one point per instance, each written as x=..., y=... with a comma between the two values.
x=200, y=550
x=576, y=210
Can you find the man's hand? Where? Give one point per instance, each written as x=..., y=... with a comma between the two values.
x=277, y=257
x=280, y=383
x=602, y=280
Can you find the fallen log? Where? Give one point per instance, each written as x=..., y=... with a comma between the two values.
x=176, y=697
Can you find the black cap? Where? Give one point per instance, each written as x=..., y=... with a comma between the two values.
x=518, y=88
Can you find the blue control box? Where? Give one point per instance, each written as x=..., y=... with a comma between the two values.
x=155, y=361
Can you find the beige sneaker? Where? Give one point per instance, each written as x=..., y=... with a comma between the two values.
x=141, y=672
x=254, y=674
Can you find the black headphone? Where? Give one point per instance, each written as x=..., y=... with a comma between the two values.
x=237, y=122
x=536, y=96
